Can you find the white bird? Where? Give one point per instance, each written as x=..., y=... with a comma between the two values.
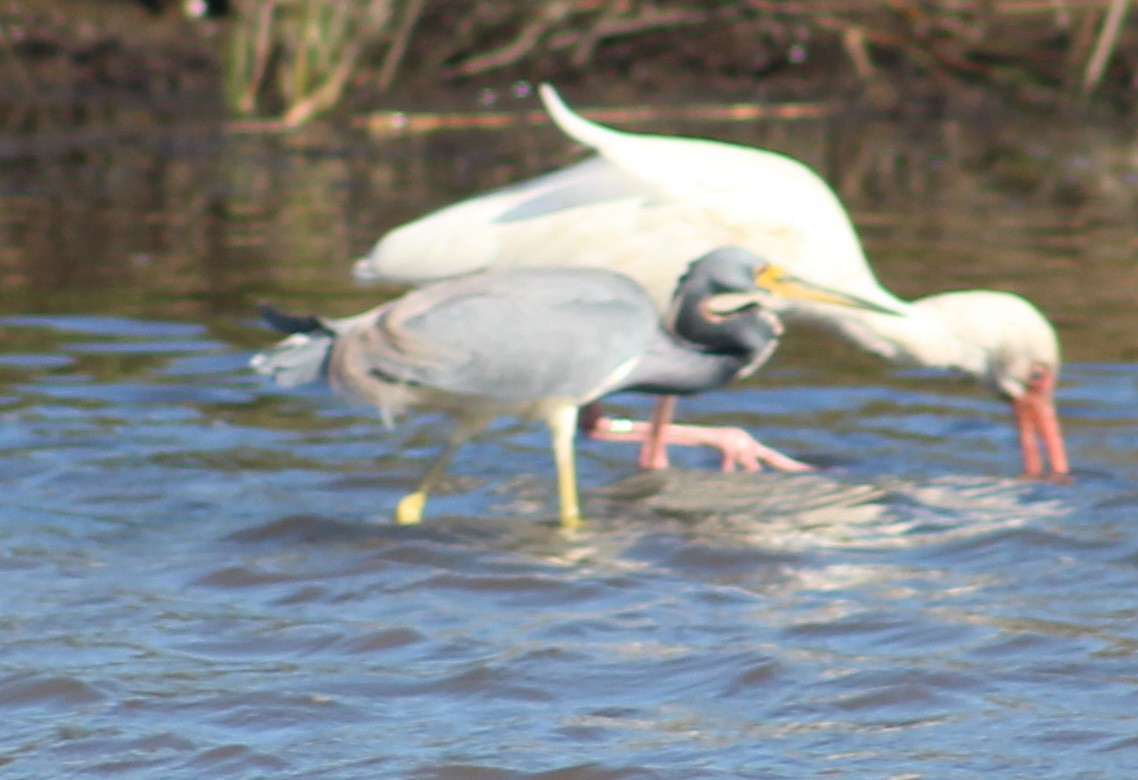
x=648, y=205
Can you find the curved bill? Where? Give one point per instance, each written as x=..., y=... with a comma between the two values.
x=784, y=284
x=1036, y=421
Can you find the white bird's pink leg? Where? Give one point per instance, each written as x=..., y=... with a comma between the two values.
x=737, y=447
x=1037, y=421
x=654, y=448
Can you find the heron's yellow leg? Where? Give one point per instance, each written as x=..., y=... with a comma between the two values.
x=563, y=428
x=409, y=510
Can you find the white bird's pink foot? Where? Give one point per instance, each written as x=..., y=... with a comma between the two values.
x=738, y=449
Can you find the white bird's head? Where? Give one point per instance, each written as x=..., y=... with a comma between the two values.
x=1007, y=344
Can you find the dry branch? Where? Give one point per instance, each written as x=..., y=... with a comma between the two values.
x=1104, y=46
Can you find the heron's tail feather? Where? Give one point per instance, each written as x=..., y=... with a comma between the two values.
x=289, y=323
x=299, y=359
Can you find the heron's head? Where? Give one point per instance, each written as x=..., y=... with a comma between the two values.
x=1007, y=344
x=729, y=299
x=716, y=305
x=729, y=280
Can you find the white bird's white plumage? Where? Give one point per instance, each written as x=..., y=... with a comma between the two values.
x=648, y=205
x=763, y=201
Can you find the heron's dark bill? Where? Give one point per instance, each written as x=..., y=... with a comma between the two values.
x=778, y=281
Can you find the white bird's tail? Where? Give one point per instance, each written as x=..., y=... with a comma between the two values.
x=764, y=201
x=574, y=125
x=300, y=358
x=696, y=170
x=641, y=153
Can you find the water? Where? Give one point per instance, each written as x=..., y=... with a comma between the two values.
x=200, y=577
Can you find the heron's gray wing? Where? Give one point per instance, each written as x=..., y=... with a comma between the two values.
x=516, y=335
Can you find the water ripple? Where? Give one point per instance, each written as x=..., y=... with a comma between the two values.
x=201, y=577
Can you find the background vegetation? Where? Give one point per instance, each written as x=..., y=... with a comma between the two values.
x=294, y=59
x=299, y=57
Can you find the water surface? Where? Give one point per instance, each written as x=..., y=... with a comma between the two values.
x=201, y=578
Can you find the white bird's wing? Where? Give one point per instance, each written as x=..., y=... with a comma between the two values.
x=647, y=207
x=592, y=214
x=499, y=229
x=769, y=203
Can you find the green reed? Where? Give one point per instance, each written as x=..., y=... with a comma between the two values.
x=295, y=58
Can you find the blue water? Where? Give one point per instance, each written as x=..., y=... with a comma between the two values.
x=201, y=580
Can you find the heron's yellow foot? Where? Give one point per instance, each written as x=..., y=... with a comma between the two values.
x=571, y=521
x=409, y=510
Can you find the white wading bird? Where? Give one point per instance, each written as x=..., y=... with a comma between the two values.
x=647, y=205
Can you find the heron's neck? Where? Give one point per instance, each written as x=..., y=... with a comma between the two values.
x=747, y=337
x=701, y=355
x=670, y=367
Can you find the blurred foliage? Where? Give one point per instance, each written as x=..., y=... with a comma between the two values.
x=295, y=58
x=303, y=52
x=289, y=60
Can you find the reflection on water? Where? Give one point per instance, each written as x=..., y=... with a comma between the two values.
x=205, y=220
x=200, y=577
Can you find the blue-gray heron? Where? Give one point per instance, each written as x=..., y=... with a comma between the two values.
x=647, y=205
x=540, y=343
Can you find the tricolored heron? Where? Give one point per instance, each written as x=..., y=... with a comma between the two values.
x=539, y=343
